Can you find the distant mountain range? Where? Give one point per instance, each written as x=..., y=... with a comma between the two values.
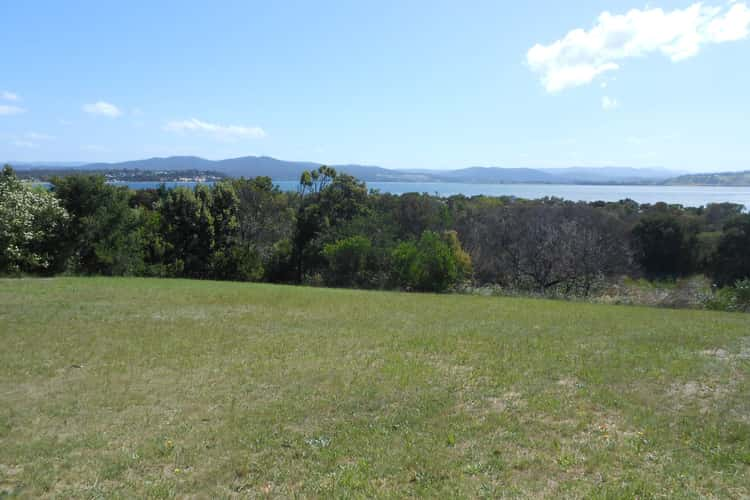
x=281, y=170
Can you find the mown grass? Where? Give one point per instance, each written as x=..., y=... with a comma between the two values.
x=164, y=388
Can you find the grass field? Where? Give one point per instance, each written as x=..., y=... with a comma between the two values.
x=163, y=388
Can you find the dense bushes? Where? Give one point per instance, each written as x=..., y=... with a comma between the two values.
x=348, y=261
x=333, y=231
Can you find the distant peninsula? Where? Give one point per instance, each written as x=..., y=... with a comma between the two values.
x=717, y=179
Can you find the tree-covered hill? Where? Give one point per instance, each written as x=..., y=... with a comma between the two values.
x=717, y=179
x=284, y=170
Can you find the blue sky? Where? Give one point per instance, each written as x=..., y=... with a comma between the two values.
x=401, y=84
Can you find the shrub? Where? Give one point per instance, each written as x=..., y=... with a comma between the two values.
x=735, y=298
x=347, y=261
x=432, y=264
x=462, y=258
x=238, y=262
x=32, y=222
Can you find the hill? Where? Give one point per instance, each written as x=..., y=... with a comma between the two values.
x=620, y=175
x=282, y=170
x=496, y=175
x=717, y=179
x=247, y=166
x=168, y=388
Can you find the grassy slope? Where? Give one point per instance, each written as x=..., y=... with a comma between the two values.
x=221, y=389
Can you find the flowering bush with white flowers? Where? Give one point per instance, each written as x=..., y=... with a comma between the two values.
x=30, y=221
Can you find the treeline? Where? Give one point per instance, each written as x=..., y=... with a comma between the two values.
x=335, y=232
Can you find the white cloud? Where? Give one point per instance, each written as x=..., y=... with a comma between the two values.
x=635, y=140
x=21, y=143
x=31, y=140
x=35, y=136
x=580, y=56
x=94, y=148
x=9, y=96
x=656, y=139
x=6, y=110
x=102, y=108
x=221, y=132
x=609, y=103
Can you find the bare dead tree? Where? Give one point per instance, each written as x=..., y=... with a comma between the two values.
x=565, y=247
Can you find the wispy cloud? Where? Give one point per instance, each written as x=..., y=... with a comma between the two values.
x=102, y=108
x=30, y=140
x=660, y=139
x=94, y=148
x=36, y=136
x=9, y=96
x=633, y=139
x=609, y=103
x=581, y=56
x=22, y=143
x=6, y=110
x=221, y=132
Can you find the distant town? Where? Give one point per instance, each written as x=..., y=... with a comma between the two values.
x=125, y=175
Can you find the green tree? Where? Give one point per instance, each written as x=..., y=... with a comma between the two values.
x=665, y=246
x=105, y=231
x=732, y=258
x=265, y=226
x=405, y=262
x=327, y=202
x=227, y=258
x=187, y=226
x=415, y=213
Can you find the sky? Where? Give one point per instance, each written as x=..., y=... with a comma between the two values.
x=396, y=83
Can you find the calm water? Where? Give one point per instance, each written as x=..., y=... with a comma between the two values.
x=685, y=195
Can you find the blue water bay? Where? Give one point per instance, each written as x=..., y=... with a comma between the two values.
x=683, y=195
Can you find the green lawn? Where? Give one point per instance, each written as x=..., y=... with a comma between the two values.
x=162, y=388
